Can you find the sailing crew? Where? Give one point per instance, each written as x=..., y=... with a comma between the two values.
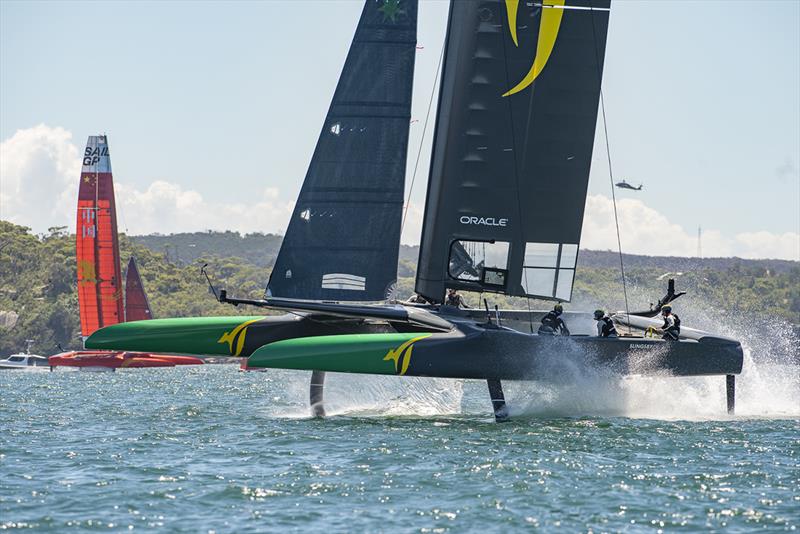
x=553, y=324
x=605, y=325
x=455, y=299
x=671, y=330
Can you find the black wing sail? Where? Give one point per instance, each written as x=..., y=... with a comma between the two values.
x=513, y=146
x=343, y=239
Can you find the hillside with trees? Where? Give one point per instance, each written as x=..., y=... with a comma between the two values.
x=38, y=298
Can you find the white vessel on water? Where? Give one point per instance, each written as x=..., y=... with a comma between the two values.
x=23, y=360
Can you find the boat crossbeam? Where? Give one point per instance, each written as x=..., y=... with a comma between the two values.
x=316, y=393
x=498, y=400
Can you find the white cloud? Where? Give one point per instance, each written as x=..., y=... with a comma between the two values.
x=644, y=230
x=167, y=208
x=39, y=169
x=40, y=166
x=39, y=173
x=768, y=245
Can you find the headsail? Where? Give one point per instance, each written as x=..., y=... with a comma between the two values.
x=97, y=248
x=137, y=308
x=343, y=238
x=513, y=146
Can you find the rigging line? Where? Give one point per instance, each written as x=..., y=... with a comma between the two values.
x=608, y=156
x=436, y=82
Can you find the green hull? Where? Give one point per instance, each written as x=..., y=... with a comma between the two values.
x=383, y=354
x=223, y=336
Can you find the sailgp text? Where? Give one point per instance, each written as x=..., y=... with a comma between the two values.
x=92, y=155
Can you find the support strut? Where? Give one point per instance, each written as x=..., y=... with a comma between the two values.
x=730, y=391
x=316, y=393
x=498, y=400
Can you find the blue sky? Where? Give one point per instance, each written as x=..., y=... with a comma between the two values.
x=214, y=108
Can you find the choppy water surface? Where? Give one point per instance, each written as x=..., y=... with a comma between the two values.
x=208, y=448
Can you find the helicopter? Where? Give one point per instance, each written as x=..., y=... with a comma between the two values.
x=625, y=185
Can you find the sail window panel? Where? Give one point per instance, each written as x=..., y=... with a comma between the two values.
x=541, y=255
x=564, y=286
x=468, y=259
x=569, y=256
x=538, y=282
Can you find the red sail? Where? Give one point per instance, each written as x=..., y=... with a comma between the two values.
x=136, y=306
x=97, y=247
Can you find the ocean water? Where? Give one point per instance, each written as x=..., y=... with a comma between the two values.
x=212, y=449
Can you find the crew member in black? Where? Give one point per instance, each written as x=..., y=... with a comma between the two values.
x=553, y=324
x=605, y=326
x=671, y=330
x=454, y=299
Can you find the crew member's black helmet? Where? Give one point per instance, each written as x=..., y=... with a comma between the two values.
x=558, y=308
x=666, y=309
x=598, y=314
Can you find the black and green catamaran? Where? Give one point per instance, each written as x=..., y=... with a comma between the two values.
x=518, y=105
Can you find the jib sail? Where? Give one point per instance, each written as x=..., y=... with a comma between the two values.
x=513, y=146
x=97, y=248
x=343, y=238
x=137, y=308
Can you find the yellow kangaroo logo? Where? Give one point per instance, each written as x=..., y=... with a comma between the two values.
x=552, y=11
x=236, y=336
x=401, y=356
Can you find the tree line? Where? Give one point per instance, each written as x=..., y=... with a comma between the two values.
x=38, y=288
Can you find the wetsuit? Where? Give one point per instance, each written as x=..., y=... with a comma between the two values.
x=606, y=328
x=553, y=324
x=672, y=327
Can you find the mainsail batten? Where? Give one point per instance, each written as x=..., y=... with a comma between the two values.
x=97, y=247
x=512, y=150
x=342, y=241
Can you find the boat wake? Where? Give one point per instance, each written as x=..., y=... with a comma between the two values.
x=370, y=395
x=769, y=385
